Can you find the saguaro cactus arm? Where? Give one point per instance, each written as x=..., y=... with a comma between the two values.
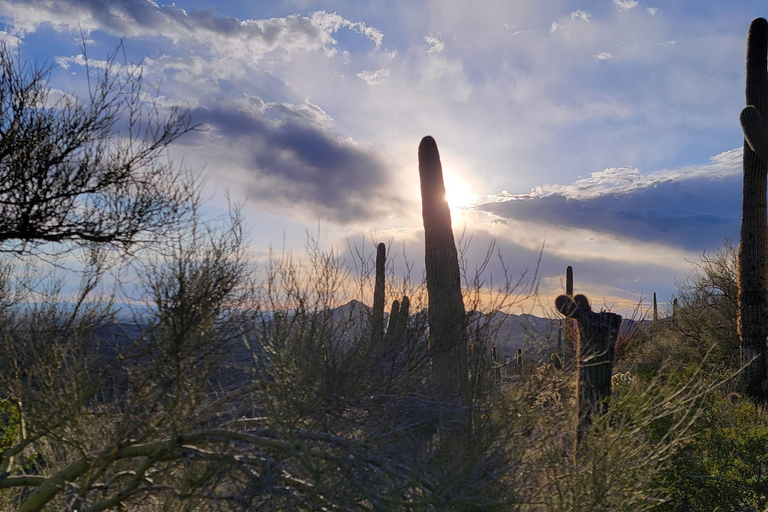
x=755, y=132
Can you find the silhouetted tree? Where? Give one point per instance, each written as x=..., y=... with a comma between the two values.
x=78, y=171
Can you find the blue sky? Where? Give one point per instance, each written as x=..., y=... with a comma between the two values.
x=606, y=129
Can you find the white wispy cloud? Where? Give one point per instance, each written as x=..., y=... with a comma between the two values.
x=603, y=55
x=581, y=15
x=621, y=180
x=373, y=77
x=624, y=5
x=555, y=26
x=436, y=44
x=253, y=38
x=11, y=40
x=653, y=10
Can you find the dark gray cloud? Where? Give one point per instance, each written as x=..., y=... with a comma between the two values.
x=294, y=160
x=692, y=214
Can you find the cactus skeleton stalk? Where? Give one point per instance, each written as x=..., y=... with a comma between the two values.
x=594, y=360
x=495, y=365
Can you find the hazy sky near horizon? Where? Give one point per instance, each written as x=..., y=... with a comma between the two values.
x=605, y=130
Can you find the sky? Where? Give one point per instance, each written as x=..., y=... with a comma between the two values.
x=604, y=131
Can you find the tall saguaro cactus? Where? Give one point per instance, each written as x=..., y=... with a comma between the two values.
x=594, y=358
x=385, y=346
x=447, y=335
x=377, y=315
x=753, y=251
x=571, y=340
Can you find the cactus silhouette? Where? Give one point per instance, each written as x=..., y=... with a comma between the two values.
x=594, y=358
x=571, y=335
x=447, y=334
x=655, y=308
x=385, y=346
x=377, y=315
x=398, y=322
x=753, y=252
x=755, y=132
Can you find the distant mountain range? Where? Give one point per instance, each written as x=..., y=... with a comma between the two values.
x=536, y=336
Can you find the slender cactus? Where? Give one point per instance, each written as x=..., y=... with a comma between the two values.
x=377, y=316
x=386, y=346
x=446, y=314
x=496, y=365
x=571, y=334
x=398, y=321
x=594, y=360
x=655, y=308
x=753, y=252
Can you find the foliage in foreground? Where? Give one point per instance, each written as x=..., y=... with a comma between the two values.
x=237, y=390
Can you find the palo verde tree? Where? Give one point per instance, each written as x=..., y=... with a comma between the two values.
x=79, y=171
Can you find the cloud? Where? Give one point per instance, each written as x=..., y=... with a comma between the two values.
x=436, y=45
x=9, y=40
x=603, y=55
x=292, y=158
x=691, y=208
x=653, y=10
x=373, y=77
x=145, y=18
x=624, y=5
x=554, y=28
x=581, y=15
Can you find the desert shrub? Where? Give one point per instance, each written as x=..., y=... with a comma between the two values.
x=723, y=466
x=626, y=451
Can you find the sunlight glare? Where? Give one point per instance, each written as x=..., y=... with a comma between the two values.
x=457, y=193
